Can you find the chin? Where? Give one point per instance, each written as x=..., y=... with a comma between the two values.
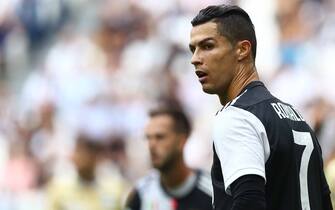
x=156, y=164
x=209, y=90
x=158, y=167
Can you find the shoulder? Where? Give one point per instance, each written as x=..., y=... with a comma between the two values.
x=252, y=102
x=255, y=105
x=234, y=120
x=62, y=184
x=150, y=178
x=253, y=96
x=259, y=102
x=149, y=183
x=146, y=185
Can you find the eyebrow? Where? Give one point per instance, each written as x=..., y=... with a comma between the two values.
x=191, y=46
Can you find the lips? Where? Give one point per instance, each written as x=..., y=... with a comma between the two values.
x=201, y=75
x=154, y=155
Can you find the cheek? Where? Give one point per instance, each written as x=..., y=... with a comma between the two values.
x=214, y=61
x=158, y=147
x=166, y=148
x=223, y=65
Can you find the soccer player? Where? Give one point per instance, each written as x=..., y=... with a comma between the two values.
x=265, y=155
x=174, y=186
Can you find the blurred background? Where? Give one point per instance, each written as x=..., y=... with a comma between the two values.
x=77, y=78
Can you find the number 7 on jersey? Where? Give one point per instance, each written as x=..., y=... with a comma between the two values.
x=304, y=139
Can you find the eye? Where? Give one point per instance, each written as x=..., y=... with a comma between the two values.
x=192, y=49
x=208, y=46
x=160, y=137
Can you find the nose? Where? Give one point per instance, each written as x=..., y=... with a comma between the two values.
x=196, y=60
x=151, y=143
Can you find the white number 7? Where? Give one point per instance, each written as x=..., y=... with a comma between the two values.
x=305, y=139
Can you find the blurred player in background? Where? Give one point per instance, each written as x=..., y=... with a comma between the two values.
x=174, y=186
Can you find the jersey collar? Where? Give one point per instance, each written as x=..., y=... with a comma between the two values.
x=244, y=90
x=250, y=86
x=185, y=188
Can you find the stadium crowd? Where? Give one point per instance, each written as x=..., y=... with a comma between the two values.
x=74, y=71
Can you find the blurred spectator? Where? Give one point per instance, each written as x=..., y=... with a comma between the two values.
x=330, y=175
x=20, y=182
x=86, y=189
x=323, y=123
x=41, y=19
x=21, y=173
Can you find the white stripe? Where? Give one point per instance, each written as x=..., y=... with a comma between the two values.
x=205, y=185
x=205, y=180
x=238, y=97
x=205, y=189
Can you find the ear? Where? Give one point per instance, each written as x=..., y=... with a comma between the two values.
x=243, y=49
x=182, y=141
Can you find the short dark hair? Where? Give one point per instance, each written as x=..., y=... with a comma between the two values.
x=181, y=123
x=89, y=142
x=233, y=23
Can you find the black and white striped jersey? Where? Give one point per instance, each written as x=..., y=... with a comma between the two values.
x=194, y=194
x=258, y=134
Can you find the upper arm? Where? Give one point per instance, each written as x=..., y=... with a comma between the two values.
x=241, y=144
x=133, y=201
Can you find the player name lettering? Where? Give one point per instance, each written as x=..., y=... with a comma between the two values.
x=287, y=112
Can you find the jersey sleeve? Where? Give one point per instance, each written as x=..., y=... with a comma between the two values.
x=133, y=201
x=241, y=144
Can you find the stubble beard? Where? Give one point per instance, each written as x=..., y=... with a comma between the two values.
x=168, y=164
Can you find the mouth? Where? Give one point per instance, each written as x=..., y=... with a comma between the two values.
x=154, y=156
x=201, y=75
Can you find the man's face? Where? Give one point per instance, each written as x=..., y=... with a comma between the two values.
x=214, y=58
x=84, y=159
x=164, y=143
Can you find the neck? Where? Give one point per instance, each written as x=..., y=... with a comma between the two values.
x=176, y=175
x=244, y=75
x=87, y=175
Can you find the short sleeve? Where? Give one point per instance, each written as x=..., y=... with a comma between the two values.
x=241, y=144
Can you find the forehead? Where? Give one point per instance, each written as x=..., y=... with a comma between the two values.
x=204, y=31
x=160, y=122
